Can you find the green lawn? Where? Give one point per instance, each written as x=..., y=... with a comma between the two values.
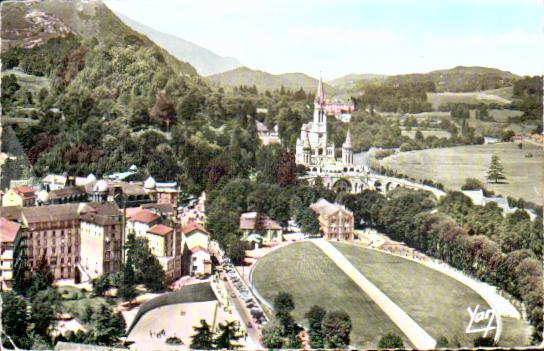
x=75, y=301
x=435, y=301
x=496, y=96
x=312, y=278
x=437, y=133
x=451, y=166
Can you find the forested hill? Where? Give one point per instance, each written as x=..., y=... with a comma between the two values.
x=457, y=79
x=244, y=76
x=111, y=98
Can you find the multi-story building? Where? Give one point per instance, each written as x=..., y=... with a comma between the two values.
x=53, y=232
x=101, y=239
x=140, y=222
x=8, y=233
x=22, y=196
x=160, y=238
x=335, y=220
x=195, y=242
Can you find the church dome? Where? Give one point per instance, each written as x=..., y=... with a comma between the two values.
x=150, y=183
x=43, y=197
x=101, y=186
x=90, y=178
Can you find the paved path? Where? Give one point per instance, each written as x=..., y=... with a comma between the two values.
x=418, y=337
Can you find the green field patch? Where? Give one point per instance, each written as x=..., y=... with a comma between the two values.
x=437, y=133
x=451, y=166
x=304, y=271
x=435, y=301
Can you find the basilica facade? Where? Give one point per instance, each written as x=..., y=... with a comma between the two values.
x=313, y=149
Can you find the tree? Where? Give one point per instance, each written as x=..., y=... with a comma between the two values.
x=309, y=222
x=15, y=319
x=336, y=329
x=228, y=332
x=287, y=169
x=442, y=342
x=315, y=319
x=100, y=285
x=484, y=341
x=272, y=335
x=109, y=326
x=42, y=278
x=390, y=341
x=203, y=339
x=472, y=184
x=495, y=171
x=21, y=272
x=43, y=311
x=163, y=110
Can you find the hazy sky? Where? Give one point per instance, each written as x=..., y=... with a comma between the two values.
x=355, y=36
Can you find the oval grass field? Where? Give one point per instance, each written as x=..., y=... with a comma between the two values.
x=435, y=301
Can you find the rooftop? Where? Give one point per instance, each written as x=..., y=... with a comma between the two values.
x=8, y=230
x=160, y=229
x=248, y=222
x=24, y=191
x=52, y=213
x=144, y=216
x=192, y=226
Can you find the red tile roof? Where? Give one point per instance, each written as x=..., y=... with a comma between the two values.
x=160, y=229
x=24, y=191
x=144, y=216
x=192, y=226
x=8, y=230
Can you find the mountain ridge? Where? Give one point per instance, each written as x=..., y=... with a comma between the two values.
x=204, y=60
x=267, y=81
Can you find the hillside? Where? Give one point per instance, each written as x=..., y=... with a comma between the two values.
x=349, y=81
x=267, y=81
x=461, y=79
x=205, y=61
x=103, y=79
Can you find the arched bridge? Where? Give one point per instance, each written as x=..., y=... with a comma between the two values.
x=354, y=182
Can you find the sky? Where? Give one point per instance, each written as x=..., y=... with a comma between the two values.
x=339, y=37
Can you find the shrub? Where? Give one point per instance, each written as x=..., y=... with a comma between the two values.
x=172, y=340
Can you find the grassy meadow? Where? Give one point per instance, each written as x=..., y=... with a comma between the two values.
x=312, y=278
x=435, y=301
x=451, y=166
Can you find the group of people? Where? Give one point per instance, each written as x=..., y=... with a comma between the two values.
x=157, y=335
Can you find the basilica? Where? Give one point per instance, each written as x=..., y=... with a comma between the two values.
x=313, y=149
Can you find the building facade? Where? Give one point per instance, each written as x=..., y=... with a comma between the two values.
x=335, y=220
x=9, y=231
x=313, y=149
x=53, y=233
x=22, y=196
x=101, y=239
x=260, y=224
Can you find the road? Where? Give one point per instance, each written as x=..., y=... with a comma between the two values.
x=254, y=332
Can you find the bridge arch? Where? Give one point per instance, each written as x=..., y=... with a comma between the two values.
x=342, y=185
x=378, y=185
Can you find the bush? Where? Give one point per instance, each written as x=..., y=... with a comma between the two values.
x=172, y=340
x=390, y=341
x=484, y=341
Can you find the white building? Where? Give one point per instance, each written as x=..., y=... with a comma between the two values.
x=313, y=149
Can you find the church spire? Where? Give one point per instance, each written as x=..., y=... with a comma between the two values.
x=320, y=95
x=347, y=143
